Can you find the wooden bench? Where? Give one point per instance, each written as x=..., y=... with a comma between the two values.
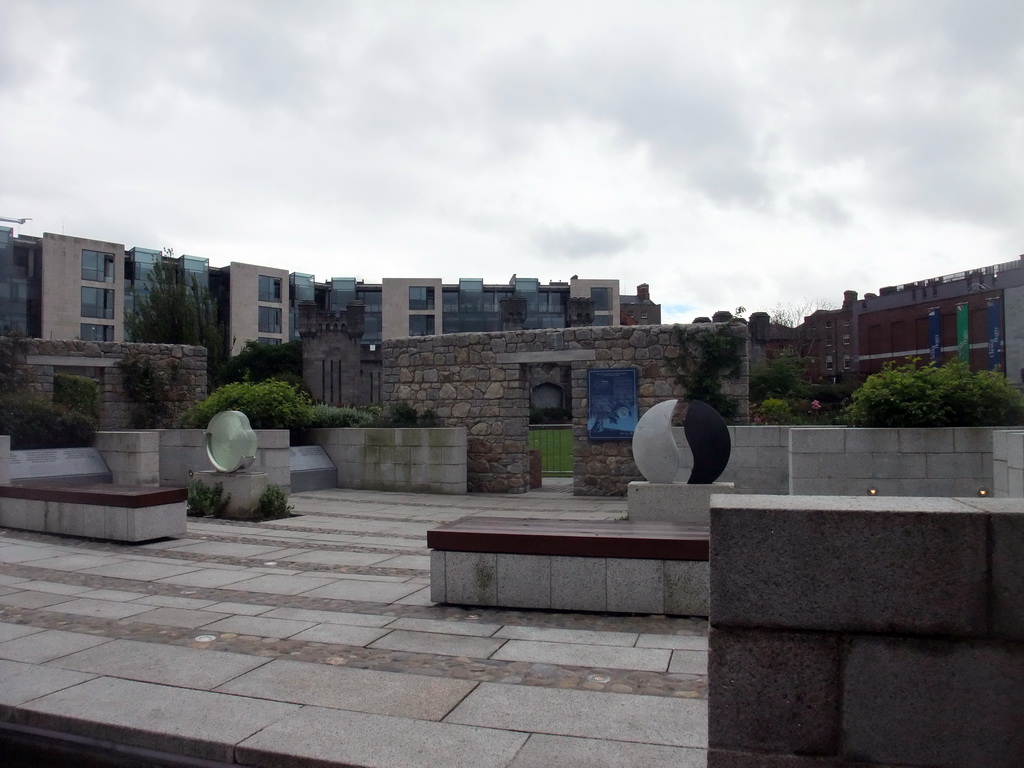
x=110, y=512
x=579, y=565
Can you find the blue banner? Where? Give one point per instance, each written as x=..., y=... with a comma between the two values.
x=935, y=334
x=995, y=335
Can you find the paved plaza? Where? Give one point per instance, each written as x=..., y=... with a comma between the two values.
x=313, y=641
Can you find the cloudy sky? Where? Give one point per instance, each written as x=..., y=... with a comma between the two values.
x=727, y=153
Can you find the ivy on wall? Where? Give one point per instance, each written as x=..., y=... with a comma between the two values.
x=708, y=355
x=148, y=388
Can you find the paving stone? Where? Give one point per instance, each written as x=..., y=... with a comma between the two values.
x=258, y=626
x=360, y=690
x=422, y=597
x=164, y=664
x=54, y=587
x=331, y=557
x=364, y=591
x=282, y=585
x=106, y=609
x=469, y=628
x=24, y=682
x=74, y=562
x=674, y=642
x=652, y=659
x=22, y=554
x=240, y=609
x=114, y=595
x=340, y=634
x=413, y=562
x=543, y=751
x=446, y=645
x=317, y=736
x=14, y=631
x=329, y=617
x=689, y=662
x=582, y=636
x=208, y=577
x=189, y=618
x=48, y=645
x=170, y=601
x=33, y=599
x=620, y=717
x=140, y=571
x=227, y=549
x=10, y=580
x=178, y=720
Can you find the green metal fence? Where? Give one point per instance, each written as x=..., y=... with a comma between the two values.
x=555, y=444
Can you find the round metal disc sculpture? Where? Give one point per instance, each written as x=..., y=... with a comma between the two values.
x=657, y=455
x=230, y=442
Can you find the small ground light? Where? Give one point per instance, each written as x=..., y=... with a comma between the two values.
x=206, y=638
x=598, y=678
x=872, y=491
x=983, y=492
x=271, y=562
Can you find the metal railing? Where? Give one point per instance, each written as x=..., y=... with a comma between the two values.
x=555, y=444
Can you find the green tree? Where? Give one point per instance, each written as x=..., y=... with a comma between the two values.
x=779, y=377
x=259, y=362
x=178, y=309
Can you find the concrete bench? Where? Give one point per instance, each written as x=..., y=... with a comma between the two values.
x=111, y=512
x=574, y=565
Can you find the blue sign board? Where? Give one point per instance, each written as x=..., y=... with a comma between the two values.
x=995, y=335
x=612, y=404
x=935, y=334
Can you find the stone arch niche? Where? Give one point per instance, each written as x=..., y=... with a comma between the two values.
x=483, y=382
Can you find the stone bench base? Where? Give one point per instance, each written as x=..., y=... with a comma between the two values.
x=111, y=512
x=571, y=565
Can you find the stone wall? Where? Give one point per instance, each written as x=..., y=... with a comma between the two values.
x=184, y=366
x=481, y=381
x=865, y=631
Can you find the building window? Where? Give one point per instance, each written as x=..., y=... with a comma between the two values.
x=846, y=363
x=97, y=266
x=421, y=325
x=268, y=341
x=828, y=324
x=421, y=297
x=643, y=315
x=602, y=299
x=828, y=341
x=270, y=289
x=846, y=339
x=629, y=312
x=98, y=302
x=846, y=323
x=96, y=332
x=270, y=320
x=828, y=362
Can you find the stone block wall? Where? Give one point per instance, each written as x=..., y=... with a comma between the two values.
x=184, y=450
x=185, y=367
x=866, y=631
x=412, y=460
x=759, y=462
x=480, y=381
x=839, y=461
x=1008, y=464
x=133, y=457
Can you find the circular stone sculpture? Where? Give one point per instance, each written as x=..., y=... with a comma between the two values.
x=657, y=455
x=230, y=442
x=654, y=449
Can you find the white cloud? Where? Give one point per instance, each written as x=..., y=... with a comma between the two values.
x=728, y=154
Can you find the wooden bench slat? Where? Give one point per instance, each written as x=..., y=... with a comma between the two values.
x=129, y=496
x=573, y=538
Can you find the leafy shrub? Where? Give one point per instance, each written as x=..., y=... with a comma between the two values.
x=206, y=500
x=333, y=416
x=33, y=422
x=273, y=504
x=147, y=388
x=910, y=395
x=774, y=410
x=259, y=362
x=77, y=393
x=401, y=415
x=268, y=404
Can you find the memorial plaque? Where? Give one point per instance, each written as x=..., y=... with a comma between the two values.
x=613, y=408
x=308, y=457
x=86, y=463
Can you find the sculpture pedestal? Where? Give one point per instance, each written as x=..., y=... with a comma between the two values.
x=243, y=489
x=673, y=502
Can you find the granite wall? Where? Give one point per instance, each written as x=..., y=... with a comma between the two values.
x=480, y=381
x=184, y=366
